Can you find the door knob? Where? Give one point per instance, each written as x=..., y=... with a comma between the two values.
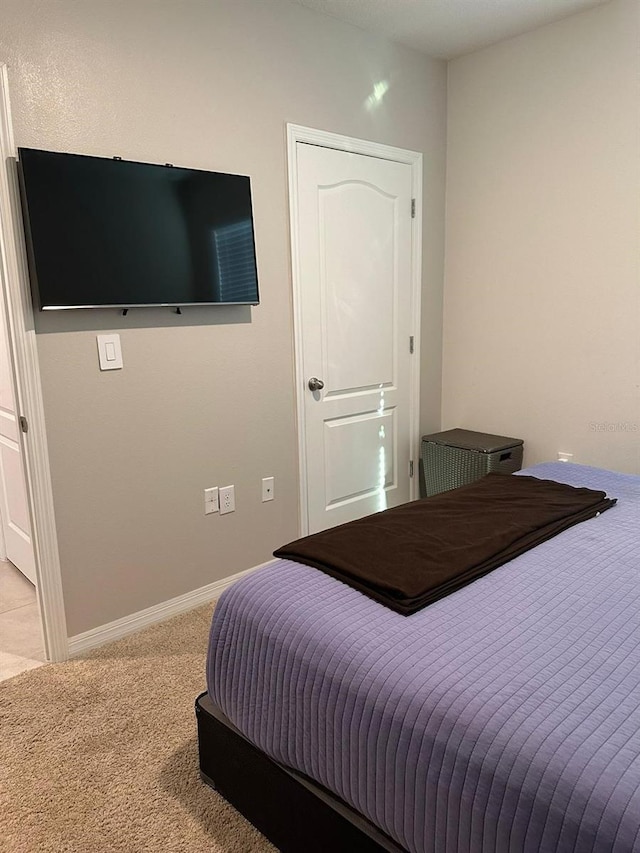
x=315, y=384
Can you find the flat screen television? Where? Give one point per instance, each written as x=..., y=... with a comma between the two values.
x=114, y=233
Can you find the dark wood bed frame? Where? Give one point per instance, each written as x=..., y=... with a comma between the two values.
x=296, y=814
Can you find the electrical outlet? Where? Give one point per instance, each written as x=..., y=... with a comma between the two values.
x=227, y=499
x=211, y=500
x=267, y=489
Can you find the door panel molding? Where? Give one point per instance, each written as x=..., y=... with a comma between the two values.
x=19, y=316
x=14, y=502
x=312, y=136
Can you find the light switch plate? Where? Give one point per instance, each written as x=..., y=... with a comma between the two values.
x=109, y=352
x=211, y=500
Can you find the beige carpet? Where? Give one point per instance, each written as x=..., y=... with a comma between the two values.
x=100, y=754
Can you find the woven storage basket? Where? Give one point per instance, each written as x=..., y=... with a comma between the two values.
x=459, y=456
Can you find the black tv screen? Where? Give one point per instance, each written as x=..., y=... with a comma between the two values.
x=110, y=232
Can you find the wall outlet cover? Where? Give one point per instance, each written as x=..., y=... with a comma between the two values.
x=227, y=498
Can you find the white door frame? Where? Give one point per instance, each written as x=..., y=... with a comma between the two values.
x=22, y=340
x=297, y=133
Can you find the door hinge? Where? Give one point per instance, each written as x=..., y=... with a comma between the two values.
x=413, y=208
x=24, y=424
x=411, y=344
x=411, y=468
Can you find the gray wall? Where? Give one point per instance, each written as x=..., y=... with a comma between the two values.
x=542, y=292
x=206, y=398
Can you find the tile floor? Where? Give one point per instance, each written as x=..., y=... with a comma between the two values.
x=20, y=637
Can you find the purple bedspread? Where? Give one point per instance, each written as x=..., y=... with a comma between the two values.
x=505, y=717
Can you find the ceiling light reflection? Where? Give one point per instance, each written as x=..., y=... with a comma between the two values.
x=375, y=98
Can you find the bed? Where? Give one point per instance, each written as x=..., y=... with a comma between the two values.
x=504, y=717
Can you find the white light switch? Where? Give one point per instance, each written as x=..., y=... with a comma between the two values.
x=109, y=352
x=211, y=500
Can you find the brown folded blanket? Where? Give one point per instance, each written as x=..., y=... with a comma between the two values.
x=412, y=555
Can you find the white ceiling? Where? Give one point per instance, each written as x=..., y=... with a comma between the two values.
x=449, y=28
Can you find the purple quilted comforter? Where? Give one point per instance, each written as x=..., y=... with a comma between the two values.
x=505, y=717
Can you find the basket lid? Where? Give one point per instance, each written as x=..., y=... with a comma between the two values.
x=467, y=439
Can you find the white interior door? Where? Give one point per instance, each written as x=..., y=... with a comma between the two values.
x=354, y=239
x=14, y=506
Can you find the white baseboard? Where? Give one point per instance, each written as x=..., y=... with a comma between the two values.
x=158, y=613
